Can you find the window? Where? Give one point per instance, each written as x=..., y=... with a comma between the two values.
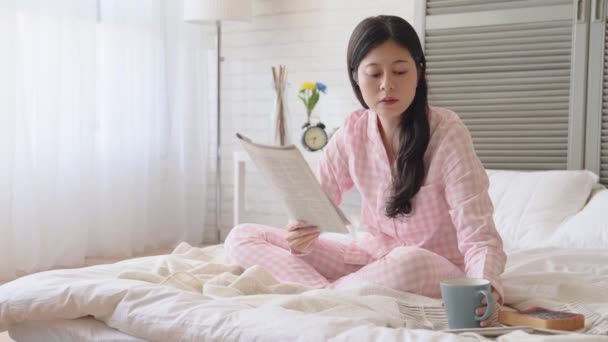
x=526, y=78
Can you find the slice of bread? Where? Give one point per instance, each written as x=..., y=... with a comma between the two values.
x=538, y=317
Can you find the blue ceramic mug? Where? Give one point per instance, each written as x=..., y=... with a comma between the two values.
x=461, y=296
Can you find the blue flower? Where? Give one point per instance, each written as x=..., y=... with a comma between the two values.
x=321, y=87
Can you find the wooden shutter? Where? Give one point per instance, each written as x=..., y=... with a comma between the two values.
x=604, y=136
x=505, y=68
x=437, y=7
x=596, y=156
x=602, y=73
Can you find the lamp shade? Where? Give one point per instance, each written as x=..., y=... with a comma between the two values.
x=205, y=11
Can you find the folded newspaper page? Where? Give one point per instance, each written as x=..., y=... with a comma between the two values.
x=296, y=186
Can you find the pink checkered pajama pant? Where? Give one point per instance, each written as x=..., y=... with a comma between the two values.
x=405, y=268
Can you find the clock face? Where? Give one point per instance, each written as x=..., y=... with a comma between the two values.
x=314, y=138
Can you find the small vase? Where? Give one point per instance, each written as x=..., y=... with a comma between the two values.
x=280, y=132
x=311, y=119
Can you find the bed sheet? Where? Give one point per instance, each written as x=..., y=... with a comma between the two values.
x=63, y=330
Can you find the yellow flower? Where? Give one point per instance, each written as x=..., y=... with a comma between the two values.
x=307, y=86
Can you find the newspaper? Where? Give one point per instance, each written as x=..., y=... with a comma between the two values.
x=296, y=186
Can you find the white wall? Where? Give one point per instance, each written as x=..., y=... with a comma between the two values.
x=310, y=38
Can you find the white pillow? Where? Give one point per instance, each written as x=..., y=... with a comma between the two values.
x=529, y=206
x=588, y=228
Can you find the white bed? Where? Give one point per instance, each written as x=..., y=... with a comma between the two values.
x=555, y=225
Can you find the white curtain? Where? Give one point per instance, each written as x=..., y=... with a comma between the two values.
x=104, y=130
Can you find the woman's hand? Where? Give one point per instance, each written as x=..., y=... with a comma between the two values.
x=482, y=309
x=302, y=237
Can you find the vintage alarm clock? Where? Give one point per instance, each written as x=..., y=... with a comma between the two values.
x=314, y=137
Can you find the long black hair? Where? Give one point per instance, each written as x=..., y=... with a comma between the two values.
x=414, y=125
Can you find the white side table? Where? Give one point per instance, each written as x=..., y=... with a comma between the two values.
x=240, y=159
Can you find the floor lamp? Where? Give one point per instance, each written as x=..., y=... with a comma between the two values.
x=207, y=12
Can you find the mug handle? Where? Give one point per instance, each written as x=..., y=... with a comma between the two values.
x=489, y=308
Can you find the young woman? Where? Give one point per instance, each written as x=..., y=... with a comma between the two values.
x=424, y=191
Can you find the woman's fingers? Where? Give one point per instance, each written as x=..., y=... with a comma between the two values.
x=301, y=232
x=482, y=309
x=304, y=243
x=295, y=225
x=301, y=239
x=300, y=236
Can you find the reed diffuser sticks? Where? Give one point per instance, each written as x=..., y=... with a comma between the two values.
x=280, y=80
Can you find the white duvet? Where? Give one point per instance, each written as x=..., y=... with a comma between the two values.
x=195, y=295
